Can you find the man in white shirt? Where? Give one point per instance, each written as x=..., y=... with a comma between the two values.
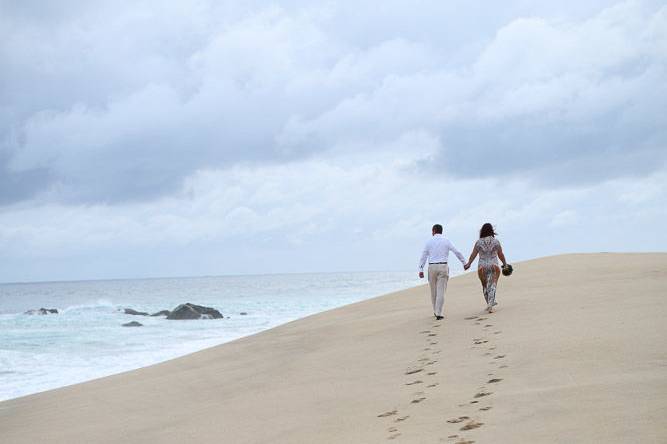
x=437, y=252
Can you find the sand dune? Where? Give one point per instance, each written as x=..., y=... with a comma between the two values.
x=576, y=352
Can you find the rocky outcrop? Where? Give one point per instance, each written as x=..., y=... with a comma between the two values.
x=129, y=311
x=161, y=313
x=192, y=311
x=42, y=311
x=133, y=324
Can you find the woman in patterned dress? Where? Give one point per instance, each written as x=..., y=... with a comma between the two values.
x=489, y=250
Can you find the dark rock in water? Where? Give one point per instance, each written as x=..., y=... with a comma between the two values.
x=161, y=313
x=133, y=324
x=42, y=311
x=192, y=311
x=243, y=313
x=129, y=311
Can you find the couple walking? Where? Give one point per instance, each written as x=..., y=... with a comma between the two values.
x=437, y=251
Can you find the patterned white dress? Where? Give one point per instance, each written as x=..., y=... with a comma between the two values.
x=487, y=248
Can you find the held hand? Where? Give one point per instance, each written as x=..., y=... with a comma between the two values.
x=466, y=266
x=421, y=275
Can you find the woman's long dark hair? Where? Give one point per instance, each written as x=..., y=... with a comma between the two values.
x=487, y=230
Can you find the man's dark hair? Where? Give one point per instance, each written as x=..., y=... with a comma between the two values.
x=437, y=228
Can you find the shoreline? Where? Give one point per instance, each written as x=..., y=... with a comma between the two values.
x=570, y=351
x=178, y=338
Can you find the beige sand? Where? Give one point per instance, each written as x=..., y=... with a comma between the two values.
x=577, y=346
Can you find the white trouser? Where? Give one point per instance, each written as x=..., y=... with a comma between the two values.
x=438, y=275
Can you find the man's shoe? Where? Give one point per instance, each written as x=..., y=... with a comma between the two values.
x=439, y=317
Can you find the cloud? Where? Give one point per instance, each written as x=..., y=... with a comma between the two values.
x=559, y=102
x=349, y=213
x=201, y=137
x=111, y=104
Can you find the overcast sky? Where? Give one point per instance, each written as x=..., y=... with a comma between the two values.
x=154, y=138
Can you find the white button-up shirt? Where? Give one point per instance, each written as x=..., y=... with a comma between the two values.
x=437, y=250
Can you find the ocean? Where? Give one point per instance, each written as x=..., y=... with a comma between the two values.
x=85, y=340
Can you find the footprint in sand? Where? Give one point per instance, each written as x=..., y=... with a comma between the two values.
x=453, y=436
x=484, y=409
x=412, y=372
x=394, y=436
x=497, y=332
x=432, y=385
x=488, y=354
x=480, y=342
x=413, y=382
x=472, y=425
x=464, y=441
x=427, y=348
x=432, y=373
x=457, y=420
x=418, y=400
x=500, y=357
x=470, y=318
x=503, y=366
x=424, y=332
x=436, y=352
x=434, y=343
x=422, y=359
x=482, y=394
x=433, y=334
x=494, y=380
x=482, y=319
x=488, y=325
x=401, y=418
x=474, y=402
x=385, y=414
x=431, y=363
